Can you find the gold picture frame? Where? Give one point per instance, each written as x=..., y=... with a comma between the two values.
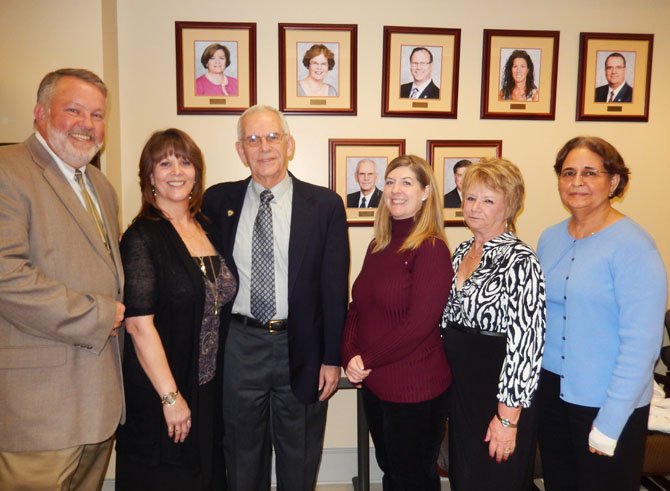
x=195, y=95
x=539, y=51
x=634, y=53
x=439, y=99
x=344, y=157
x=442, y=155
x=339, y=42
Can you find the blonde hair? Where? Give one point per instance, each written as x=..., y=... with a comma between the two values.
x=428, y=224
x=500, y=175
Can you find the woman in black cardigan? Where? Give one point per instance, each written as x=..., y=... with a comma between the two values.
x=176, y=288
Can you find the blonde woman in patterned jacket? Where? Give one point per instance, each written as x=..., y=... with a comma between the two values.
x=493, y=330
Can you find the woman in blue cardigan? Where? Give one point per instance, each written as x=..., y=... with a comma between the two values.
x=606, y=294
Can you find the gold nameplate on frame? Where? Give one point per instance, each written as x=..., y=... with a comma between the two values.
x=366, y=214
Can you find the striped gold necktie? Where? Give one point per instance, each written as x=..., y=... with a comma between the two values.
x=91, y=208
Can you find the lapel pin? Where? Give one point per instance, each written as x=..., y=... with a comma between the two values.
x=231, y=213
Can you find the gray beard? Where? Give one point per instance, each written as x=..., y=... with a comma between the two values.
x=75, y=158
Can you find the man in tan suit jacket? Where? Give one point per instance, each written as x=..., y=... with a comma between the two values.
x=61, y=280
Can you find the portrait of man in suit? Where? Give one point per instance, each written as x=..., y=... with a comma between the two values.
x=366, y=176
x=616, y=89
x=422, y=85
x=61, y=282
x=454, y=198
x=282, y=350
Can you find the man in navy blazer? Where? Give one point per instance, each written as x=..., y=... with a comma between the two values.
x=617, y=89
x=279, y=374
x=366, y=177
x=421, y=67
x=453, y=198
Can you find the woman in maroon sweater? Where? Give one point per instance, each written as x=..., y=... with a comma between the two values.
x=391, y=344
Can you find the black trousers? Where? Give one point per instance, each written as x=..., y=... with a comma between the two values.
x=261, y=413
x=407, y=439
x=476, y=361
x=567, y=463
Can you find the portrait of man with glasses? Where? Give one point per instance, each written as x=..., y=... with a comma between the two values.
x=421, y=68
x=617, y=88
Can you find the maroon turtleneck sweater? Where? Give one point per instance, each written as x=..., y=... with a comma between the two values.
x=398, y=299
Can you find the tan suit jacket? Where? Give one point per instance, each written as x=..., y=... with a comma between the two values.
x=60, y=371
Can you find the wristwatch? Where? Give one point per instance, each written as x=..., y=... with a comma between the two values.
x=170, y=398
x=506, y=422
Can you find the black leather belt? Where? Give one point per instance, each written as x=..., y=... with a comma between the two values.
x=475, y=330
x=275, y=325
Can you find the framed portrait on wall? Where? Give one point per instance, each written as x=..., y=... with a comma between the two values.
x=614, y=76
x=317, y=68
x=519, y=73
x=420, y=72
x=357, y=169
x=449, y=160
x=216, y=67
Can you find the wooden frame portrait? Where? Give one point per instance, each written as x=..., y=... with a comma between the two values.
x=616, y=67
x=507, y=52
x=317, y=68
x=420, y=72
x=346, y=156
x=216, y=67
x=444, y=155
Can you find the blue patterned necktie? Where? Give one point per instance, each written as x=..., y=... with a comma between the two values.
x=263, y=305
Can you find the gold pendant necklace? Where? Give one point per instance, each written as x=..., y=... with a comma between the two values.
x=213, y=286
x=202, y=265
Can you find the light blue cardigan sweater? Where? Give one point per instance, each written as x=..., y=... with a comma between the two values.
x=606, y=297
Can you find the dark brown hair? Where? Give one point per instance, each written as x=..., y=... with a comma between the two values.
x=508, y=79
x=162, y=144
x=612, y=160
x=209, y=52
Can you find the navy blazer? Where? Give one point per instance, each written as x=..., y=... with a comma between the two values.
x=624, y=95
x=431, y=91
x=354, y=199
x=318, y=273
x=452, y=199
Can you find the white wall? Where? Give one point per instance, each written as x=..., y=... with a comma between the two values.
x=136, y=53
